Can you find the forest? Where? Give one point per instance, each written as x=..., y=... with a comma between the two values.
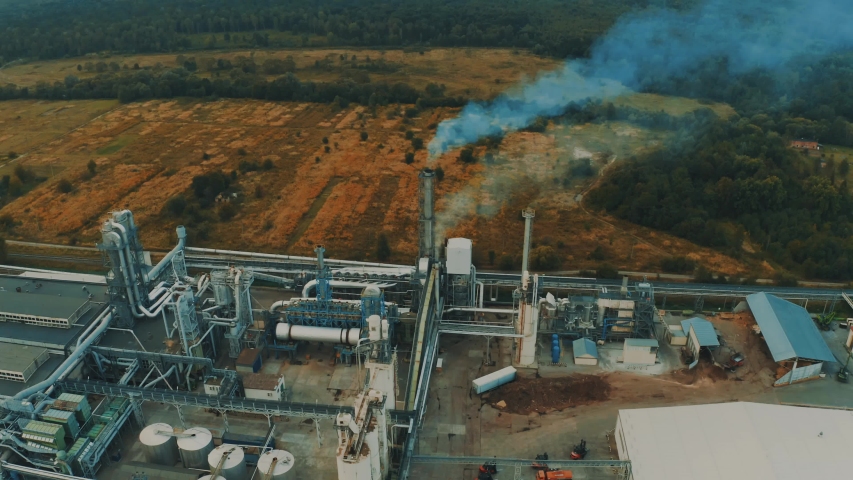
x=57, y=29
x=736, y=184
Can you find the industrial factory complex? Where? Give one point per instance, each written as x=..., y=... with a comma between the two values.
x=238, y=365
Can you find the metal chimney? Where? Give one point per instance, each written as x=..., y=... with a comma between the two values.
x=528, y=228
x=426, y=228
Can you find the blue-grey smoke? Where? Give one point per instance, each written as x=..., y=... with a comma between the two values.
x=657, y=46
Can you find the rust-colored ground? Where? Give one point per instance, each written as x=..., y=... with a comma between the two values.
x=544, y=395
x=149, y=152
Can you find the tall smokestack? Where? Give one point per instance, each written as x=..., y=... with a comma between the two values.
x=426, y=229
x=528, y=228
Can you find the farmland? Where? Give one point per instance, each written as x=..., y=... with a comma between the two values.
x=322, y=181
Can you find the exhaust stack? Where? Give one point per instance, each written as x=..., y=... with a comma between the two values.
x=528, y=228
x=426, y=231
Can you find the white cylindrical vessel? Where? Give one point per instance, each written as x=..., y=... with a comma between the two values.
x=195, y=447
x=159, y=448
x=346, y=336
x=234, y=467
x=283, y=465
x=210, y=477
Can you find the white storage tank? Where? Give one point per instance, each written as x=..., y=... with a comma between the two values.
x=493, y=380
x=234, y=467
x=210, y=477
x=459, y=256
x=159, y=449
x=283, y=464
x=195, y=446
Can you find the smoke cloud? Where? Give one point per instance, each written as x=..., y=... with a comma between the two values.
x=659, y=46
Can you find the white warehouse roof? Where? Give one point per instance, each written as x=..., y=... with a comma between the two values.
x=736, y=441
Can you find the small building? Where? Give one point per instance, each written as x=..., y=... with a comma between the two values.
x=806, y=144
x=700, y=334
x=792, y=337
x=642, y=351
x=735, y=441
x=676, y=335
x=262, y=386
x=585, y=352
x=212, y=385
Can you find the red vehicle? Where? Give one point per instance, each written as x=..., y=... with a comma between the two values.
x=734, y=362
x=553, y=474
x=580, y=451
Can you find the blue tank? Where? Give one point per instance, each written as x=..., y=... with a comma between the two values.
x=555, y=348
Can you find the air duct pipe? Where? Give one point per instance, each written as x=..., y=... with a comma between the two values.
x=161, y=377
x=105, y=319
x=312, y=285
x=345, y=336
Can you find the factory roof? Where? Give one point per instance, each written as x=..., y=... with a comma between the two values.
x=16, y=358
x=705, y=333
x=12, y=387
x=54, y=339
x=788, y=329
x=47, y=298
x=261, y=381
x=641, y=342
x=736, y=441
x=584, y=346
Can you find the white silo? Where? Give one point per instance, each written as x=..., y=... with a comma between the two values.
x=195, y=445
x=234, y=467
x=283, y=465
x=159, y=447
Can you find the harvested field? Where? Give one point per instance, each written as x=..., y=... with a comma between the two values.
x=147, y=153
x=544, y=395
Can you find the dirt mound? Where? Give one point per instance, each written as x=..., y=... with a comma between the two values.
x=705, y=370
x=541, y=395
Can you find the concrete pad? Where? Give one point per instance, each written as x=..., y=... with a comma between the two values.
x=450, y=429
x=343, y=378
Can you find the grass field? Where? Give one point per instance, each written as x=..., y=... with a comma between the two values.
x=672, y=105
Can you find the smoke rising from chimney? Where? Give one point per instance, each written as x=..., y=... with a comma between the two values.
x=659, y=46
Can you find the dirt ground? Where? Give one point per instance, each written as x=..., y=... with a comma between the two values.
x=545, y=395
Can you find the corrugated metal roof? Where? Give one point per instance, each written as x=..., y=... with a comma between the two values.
x=641, y=342
x=736, y=441
x=17, y=358
x=705, y=332
x=37, y=427
x=788, y=329
x=584, y=346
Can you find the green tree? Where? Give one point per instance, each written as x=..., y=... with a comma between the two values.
x=363, y=136
x=410, y=158
x=64, y=186
x=176, y=205
x=439, y=174
x=466, y=155
x=606, y=271
x=506, y=262
x=492, y=256
x=92, y=167
x=417, y=143
x=544, y=258
x=3, y=253
x=844, y=167
x=383, y=248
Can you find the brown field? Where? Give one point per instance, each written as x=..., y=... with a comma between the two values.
x=478, y=73
x=149, y=152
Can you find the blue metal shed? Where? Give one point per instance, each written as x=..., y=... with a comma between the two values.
x=788, y=329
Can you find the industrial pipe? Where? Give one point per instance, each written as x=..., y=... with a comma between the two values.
x=275, y=306
x=312, y=285
x=161, y=377
x=37, y=472
x=167, y=260
x=346, y=336
x=105, y=319
x=528, y=228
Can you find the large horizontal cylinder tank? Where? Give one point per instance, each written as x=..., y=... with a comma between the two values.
x=346, y=336
x=195, y=445
x=283, y=465
x=159, y=447
x=210, y=477
x=234, y=467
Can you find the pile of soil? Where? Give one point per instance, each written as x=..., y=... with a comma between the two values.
x=705, y=370
x=541, y=395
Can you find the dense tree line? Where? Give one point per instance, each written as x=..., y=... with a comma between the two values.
x=143, y=84
x=740, y=180
x=73, y=28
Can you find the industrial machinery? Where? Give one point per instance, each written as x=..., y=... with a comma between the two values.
x=579, y=451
